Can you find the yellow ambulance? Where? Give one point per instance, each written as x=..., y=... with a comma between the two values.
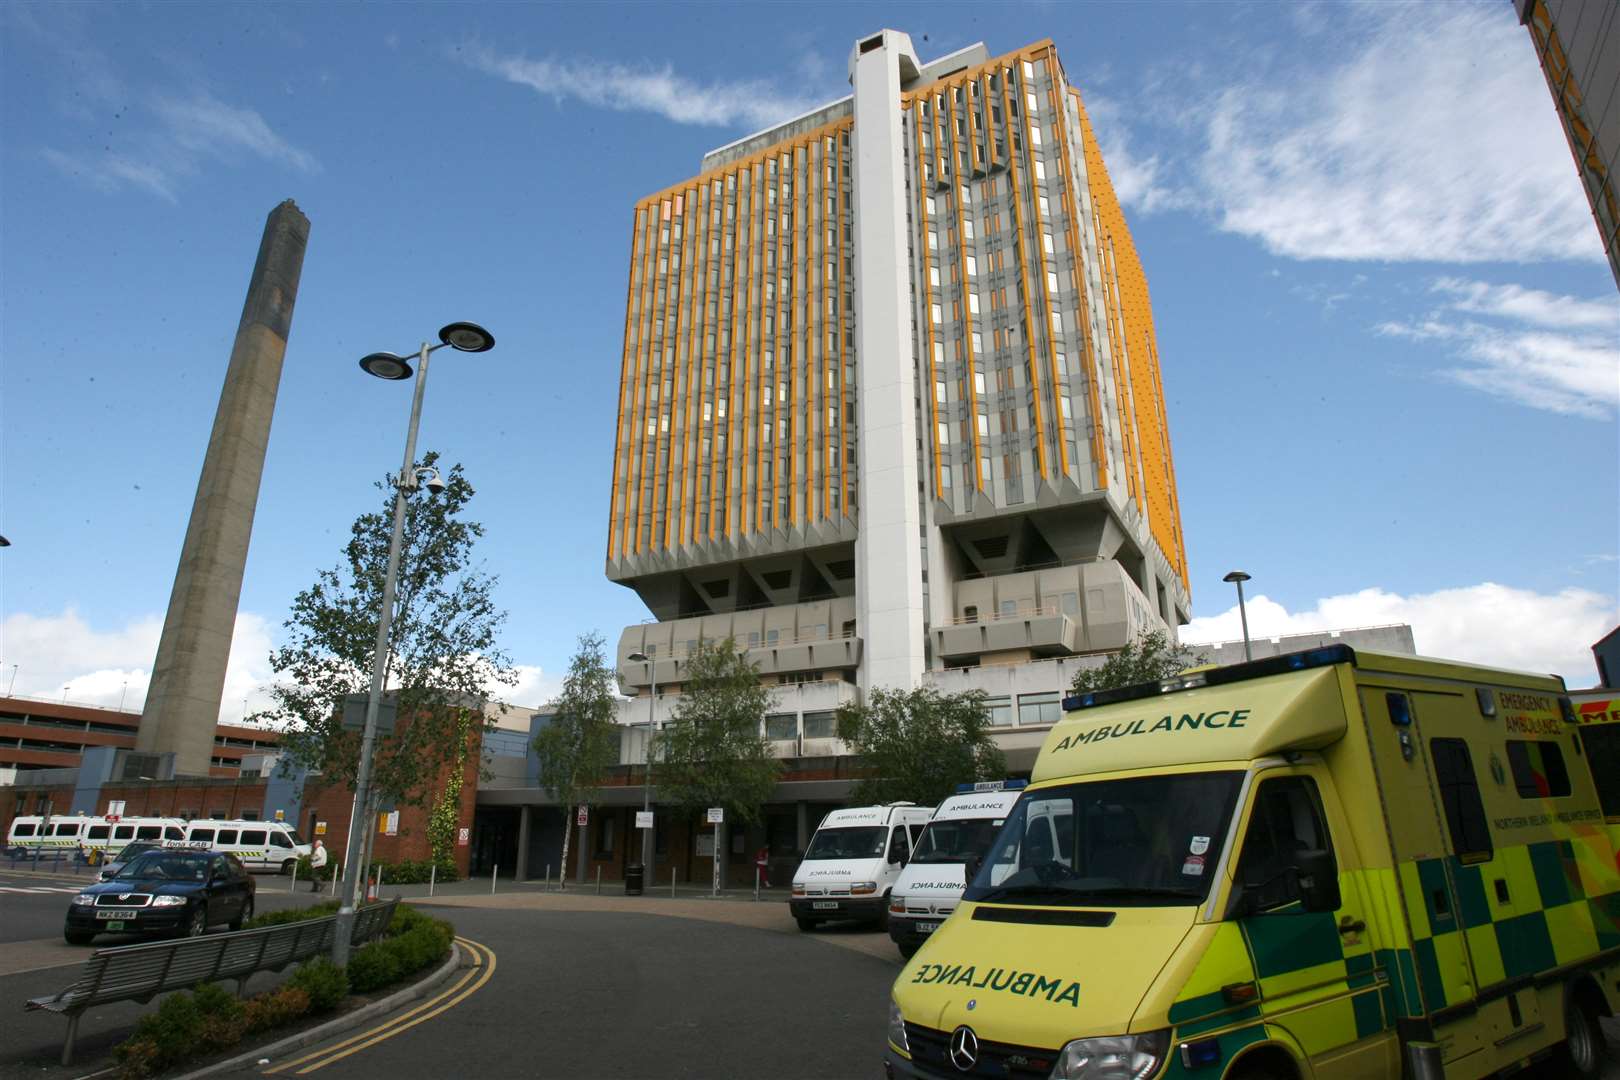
x=1326, y=864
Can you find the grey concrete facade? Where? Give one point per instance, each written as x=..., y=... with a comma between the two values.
x=188, y=675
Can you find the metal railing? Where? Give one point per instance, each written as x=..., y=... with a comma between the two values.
x=782, y=640
x=141, y=972
x=1023, y=612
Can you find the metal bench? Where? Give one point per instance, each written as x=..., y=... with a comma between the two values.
x=141, y=972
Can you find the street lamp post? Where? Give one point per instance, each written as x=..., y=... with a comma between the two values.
x=463, y=337
x=646, y=781
x=1238, y=577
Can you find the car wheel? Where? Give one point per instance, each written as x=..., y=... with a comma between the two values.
x=807, y=925
x=197, y=925
x=1582, y=1052
x=78, y=937
x=244, y=915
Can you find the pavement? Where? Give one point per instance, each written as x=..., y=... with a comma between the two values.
x=35, y=961
x=552, y=984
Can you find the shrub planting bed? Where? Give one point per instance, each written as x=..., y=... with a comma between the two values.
x=210, y=1019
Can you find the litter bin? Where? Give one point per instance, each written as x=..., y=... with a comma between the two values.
x=633, y=875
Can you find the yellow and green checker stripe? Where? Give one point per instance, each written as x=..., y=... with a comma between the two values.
x=1529, y=909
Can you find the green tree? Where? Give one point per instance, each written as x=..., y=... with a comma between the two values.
x=918, y=745
x=582, y=739
x=1150, y=658
x=714, y=753
x=442, y=659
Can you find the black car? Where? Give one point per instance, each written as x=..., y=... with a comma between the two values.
x=165, y=890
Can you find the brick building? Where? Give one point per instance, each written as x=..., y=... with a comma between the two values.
x=54, y=735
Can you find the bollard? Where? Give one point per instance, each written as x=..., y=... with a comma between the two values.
x=294, y=886
x=598, y=881
x=331, y=888
x=493, y=871
x=433, y=874
x=756, y=888
x=547, y=886
x=672, y=883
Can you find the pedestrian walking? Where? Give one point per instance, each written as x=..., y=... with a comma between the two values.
x=317, y=865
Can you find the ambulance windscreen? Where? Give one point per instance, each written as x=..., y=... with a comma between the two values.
x=1150, y=840
x=956, y=840
x=861, y=842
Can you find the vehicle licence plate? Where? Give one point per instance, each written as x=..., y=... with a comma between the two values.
x=115, y=914
x=825, y=905
x=927, y=927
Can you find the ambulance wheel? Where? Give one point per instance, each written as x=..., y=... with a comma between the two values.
x=288, y=867
x=1581, y=1053
x=807, y=925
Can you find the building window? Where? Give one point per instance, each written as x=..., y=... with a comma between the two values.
x=604, y=835
x=944, y=433
x=1039, y=708
x=972, y=266
x=820, y=725
x=1046, y=241
x=933, y=276
x=973, y=303
x=1000, y=709
x=978, y=382
x=781, y=727
x=1040, y=170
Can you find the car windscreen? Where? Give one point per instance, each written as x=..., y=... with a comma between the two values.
x=956, y=841
x=1147, y=840
x=167, y=866
x=863, y=842
x=129, y=851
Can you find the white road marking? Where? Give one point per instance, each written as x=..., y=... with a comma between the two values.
x=42, y=889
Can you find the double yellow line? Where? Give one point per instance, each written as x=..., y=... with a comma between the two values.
x=483, y=967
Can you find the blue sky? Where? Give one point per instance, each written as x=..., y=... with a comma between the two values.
x=1388, y=336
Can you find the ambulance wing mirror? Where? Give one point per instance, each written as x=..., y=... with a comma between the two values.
x=1318, y=880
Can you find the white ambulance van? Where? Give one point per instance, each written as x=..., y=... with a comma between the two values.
x=261, y=845
x=957, y=839
x=95, y=833
x=853, y=861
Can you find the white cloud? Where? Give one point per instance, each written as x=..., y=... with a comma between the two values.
x=1140, y=182
x=1486, y=624
x=534, y=688
x=655, y=89
x=1419, y=132
x=1558, y=353
x=170, y=139
x=204, y=125
x=57, y=655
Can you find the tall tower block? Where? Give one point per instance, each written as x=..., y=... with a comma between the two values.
x=188, y=677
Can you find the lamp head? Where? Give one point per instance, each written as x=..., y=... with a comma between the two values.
x=430, y=479
x=637, y=658
x=1235, y=576
x=467, y=337
x=386, y=365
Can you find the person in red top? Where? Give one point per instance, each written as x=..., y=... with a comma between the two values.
x=762, y=866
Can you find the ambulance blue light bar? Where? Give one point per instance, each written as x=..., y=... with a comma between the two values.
x=1324, y=656
x=991, y=785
